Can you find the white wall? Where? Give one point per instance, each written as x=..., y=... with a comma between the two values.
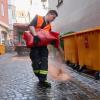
x=75, y=15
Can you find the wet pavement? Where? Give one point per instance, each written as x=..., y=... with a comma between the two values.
x=18, y=82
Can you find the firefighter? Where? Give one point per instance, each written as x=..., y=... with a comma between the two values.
x=39, y=55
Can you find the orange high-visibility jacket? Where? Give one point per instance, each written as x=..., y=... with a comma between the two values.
x=40, y=22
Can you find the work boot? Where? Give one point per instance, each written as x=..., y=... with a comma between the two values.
x=45, y=84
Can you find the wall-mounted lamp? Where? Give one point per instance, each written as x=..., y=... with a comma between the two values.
x=44, y=4
x=59, y=3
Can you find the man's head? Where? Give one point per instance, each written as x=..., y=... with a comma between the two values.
x=51, y=15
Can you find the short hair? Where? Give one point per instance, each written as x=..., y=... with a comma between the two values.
x=52, y=12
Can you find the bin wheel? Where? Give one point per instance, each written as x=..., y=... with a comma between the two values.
x=81, y=69
x=97, y=75
x=77, y=67
x=67, y=62
x=72, y=65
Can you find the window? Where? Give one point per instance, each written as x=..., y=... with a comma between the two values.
x=30, y=2
x=59, y=3
x=2, y=9
x=13, y=12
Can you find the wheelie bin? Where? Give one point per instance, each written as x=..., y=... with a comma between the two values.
x=70, y=48
x=2, y=49
x=88, y=42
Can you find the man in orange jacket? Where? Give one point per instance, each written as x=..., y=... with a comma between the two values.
x=39, y=54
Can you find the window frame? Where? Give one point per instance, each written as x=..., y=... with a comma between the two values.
x=2, y=9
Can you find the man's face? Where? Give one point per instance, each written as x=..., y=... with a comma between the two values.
x=51, y=17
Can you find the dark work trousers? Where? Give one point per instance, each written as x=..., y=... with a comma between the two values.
x=39, y=58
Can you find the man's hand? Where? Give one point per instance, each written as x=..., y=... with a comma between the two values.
x=36, y=39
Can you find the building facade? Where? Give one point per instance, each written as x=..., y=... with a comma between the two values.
x=11, y=19
x=23, y=11
x=4, y=28
x=75, y=15
x=22, y=19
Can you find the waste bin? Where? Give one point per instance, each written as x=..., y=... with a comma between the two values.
x=70, y=48
x=61, y=40
x=2, y=49
x=88, y=43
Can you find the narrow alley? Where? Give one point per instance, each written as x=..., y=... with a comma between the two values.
x=18, y=82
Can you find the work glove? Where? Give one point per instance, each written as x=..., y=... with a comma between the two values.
x=36, y=39
x=53, y=43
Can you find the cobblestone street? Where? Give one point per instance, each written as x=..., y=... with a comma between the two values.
x=18, y=82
